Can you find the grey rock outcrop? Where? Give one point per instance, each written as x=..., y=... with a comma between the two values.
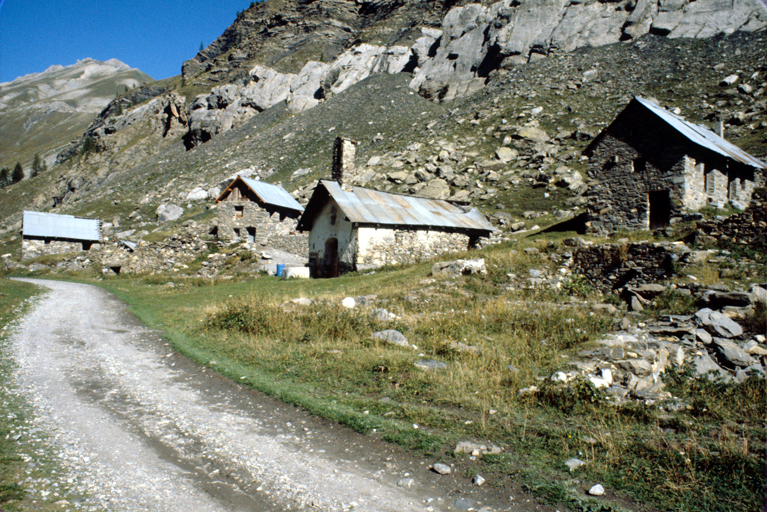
x=455, y=61
x=477, y=39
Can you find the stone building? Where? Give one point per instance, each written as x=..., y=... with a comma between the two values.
x=356, y=228
x=49, y=233
x=649, y=167
x=259, y=212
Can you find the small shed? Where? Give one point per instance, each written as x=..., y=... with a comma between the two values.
x=650, y=167
x=256, y=211
x=50, y=233
x=356, y=228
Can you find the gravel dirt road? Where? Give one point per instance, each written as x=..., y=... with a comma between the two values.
x=142, y=428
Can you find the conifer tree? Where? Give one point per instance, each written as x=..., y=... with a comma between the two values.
x=18, y=173
x=38, y=165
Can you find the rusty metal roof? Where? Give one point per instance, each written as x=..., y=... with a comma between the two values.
x=702, y=136
x=51, y=225
x=371, y=207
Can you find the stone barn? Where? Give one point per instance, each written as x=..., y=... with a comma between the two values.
x=354, y=229
x=259, y=212
x=49, y=233
x=649, y=168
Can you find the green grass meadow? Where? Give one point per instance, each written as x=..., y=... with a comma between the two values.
x=321, y=357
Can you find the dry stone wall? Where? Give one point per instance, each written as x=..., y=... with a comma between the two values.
x=377, y=247
x=36, y=248
x=610, y=267
x=259, y=226
x=746, y=229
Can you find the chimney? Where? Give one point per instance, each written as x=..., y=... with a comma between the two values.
x=721, y=128
x=343, y=159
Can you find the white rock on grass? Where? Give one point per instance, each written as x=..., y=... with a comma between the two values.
x=597, y=490
x=391, y=336
x=349, y=302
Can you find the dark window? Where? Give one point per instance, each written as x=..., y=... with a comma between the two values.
x=640, y=165
x=238, y=211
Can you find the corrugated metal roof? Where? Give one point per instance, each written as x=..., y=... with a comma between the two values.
x=365, y=206
x=272, y=194
x=702, y=136
x=51, y=225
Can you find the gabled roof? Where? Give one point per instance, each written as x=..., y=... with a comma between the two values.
x=51, y=225
x=696, y=134
x=373, y=208
x=269, y=194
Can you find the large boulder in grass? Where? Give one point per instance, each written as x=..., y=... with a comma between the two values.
x=391, y=336
x=169, y=212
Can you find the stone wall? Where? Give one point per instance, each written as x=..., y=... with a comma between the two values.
x=640, y=159
x=621, y=179
x=253, y=223
x=36, y=248
x=610, y=267
x=376, y=246
x=171, y=254
x=748, y=228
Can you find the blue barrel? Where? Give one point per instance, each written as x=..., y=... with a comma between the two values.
x=280, y=269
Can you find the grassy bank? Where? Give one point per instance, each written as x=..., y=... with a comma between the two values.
x=321, y=357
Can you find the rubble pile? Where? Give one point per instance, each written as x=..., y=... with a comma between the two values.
x=630, y=364
x=748, y=228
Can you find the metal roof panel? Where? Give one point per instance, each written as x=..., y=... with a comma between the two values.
x=366, y=206
x=51, y=225
x=272, y=194
x=702, y=136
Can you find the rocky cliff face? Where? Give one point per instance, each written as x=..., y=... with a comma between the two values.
x=449, y=56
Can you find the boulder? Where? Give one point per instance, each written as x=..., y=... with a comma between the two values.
x=197, y=194
x=731, y=354
x=436, y=189
x=459, y=267
x=717, y=323
x=506, y=154
x=391, y=336
x=707, y=367
x=168, y=212
x=719, y=299
x=532, y=134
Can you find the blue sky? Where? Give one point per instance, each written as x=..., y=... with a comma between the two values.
x=153, y=36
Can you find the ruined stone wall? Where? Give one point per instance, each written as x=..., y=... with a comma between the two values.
x=172, y=254
x=271, y=229
x=36, y=248
x=748, y=229
x=377, y=246
x=609, y=267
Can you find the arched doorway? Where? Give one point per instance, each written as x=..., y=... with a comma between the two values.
x=331, y=257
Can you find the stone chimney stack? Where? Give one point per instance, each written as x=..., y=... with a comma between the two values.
x=343, y=159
